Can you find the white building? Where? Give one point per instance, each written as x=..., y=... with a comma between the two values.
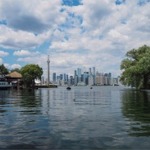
x=90, y=80
x=100, y=79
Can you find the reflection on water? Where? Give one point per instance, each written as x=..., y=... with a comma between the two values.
x=79, y=119
x=136, y=107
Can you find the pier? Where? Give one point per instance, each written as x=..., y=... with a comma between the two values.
x=46, y=86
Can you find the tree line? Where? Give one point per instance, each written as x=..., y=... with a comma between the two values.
x=29, y=73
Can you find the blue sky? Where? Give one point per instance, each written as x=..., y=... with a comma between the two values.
x=75, y=33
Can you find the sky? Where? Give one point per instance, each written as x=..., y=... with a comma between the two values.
x=74, y=33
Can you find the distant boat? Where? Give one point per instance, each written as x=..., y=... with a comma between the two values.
x=91, y=87
x=68, y=88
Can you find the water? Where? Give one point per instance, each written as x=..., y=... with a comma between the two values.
x=79, y=119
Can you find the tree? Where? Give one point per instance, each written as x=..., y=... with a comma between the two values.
x=31, y=72
x=3, y=70
x=136, y=68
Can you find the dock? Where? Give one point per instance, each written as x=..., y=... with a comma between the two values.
x=46, y=86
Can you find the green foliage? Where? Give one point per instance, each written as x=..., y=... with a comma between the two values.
x=136, y=68
x=31, y=72
x=3, y=70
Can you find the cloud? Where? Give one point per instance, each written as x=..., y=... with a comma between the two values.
x=103, y=34
x=36, y=16
x=1, y=61
x=10, y=38
x=93, y=13
x=14, y=66
x=3, y=54
x=36, y=58
x=84, y=34
x=22, y=53
x=28, y=23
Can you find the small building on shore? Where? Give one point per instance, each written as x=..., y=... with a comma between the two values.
x=14, y=78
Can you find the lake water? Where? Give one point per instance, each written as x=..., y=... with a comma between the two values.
x=79, y=119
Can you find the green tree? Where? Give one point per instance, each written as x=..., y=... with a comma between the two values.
x=31, y=72
x=136, y=68
x=3, y=70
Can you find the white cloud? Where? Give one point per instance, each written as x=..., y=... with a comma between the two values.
x=36, y=16
x=107, y=34
x=14, y=66
x=10, y=38
x=36, y=58
x=3, y=54
x=22, y=53
x=1, y=61
x=96, y=33
x=29, y=23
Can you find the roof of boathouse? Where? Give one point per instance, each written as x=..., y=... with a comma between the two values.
x=14, y=74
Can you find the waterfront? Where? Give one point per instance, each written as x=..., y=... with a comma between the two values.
x=79, y=119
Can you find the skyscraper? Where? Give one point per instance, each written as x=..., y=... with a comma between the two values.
x=90, y=72
x=79, y=74
x=85, y=77
x=94, y=76
x=48, y=70
x=54, y=77
x=75, y=78
x=93, y=71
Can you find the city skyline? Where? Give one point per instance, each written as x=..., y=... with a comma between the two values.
x=74, y=33
x=79, y=77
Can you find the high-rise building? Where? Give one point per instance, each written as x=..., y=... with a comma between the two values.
x=61, y=76
x=82, y=77
x=75, y=73
x=54, y=77
x=71, y=81
x=94, y=76
x=65, y=77
x=79, y=74
x=48, y=70
x=93, y=71
x=85, y=77
x=90, y=71
x=90, y=80
x=75, y=78
x=99, y=79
